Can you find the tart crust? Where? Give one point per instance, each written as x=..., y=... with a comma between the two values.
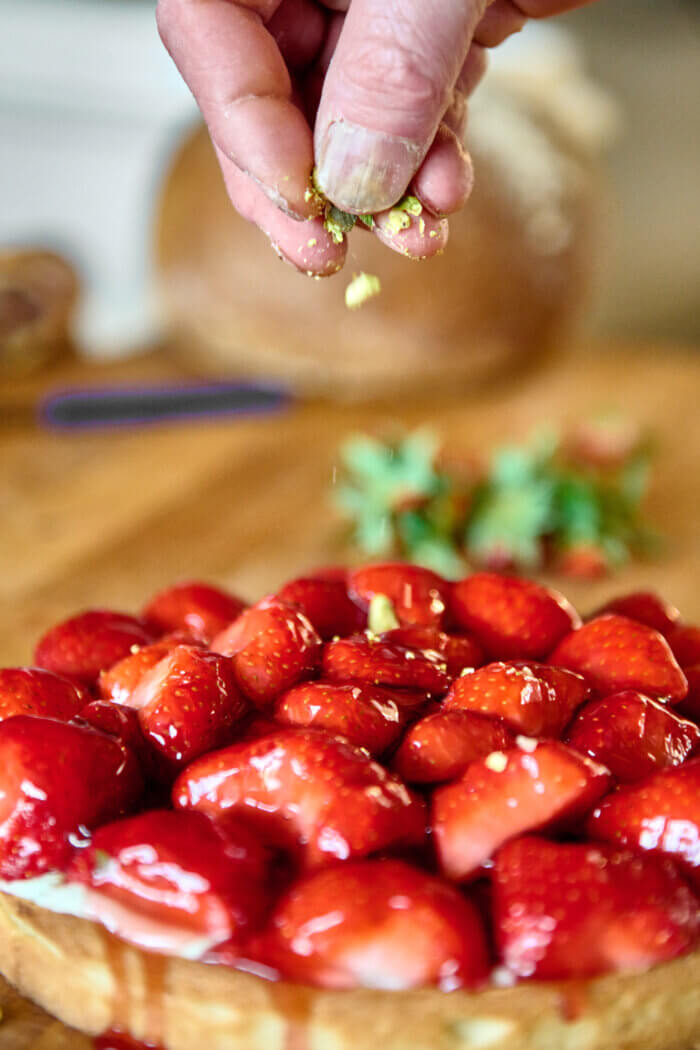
x=91, y=981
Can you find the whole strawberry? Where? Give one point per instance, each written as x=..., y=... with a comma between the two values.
x=325, y=603
x=644, y=607
x=365, y=715
x=57, y=781
x=511, y=617
x=197, y=609
x=419, y=597
x=84, y=645
x=366, y=658
x=442, y=745
x=32, y=691
x=614, y=653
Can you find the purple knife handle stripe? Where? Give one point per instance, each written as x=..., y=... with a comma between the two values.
x=122, y=406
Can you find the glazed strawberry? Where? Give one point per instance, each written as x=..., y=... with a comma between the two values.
x=511, y=617
x=644, y=607
x=419, y=597
x=614, y=653
x=32, y=691
x=122, y=723
x=371, y=659
x=531, y=698
x=187, y=704
x=365, y=715
x=684, y=640
x=326, y=605
x=273, y=647
x=632, y=735
x=660, y=814
x=314, y=794
x=574, y=911
x=170, y=872
x=440, y=746
x=56, y=780
x=508, y=793
x=118, y=682
x=458, y=650
x=375, y=924
x=199, y=609
x=86, y=644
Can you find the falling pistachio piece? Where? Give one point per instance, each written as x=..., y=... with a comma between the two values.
x=362, y=287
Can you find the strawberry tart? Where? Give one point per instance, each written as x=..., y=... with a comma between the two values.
x=376, y=810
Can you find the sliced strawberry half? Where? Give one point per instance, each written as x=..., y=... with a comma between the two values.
x=118, y=682
x=86, y=644
x=196, y=608
x=375, y=924
x=367, y=658
x=644, y=607
x=440, y=746
x=56, y=781
x=660, y=814
x=326, y=605
x=511, y=617
x=574, y=911
x=273, y=647
x=459, y=651
x=187, y=704
x=526, y=788
x=632, y=735
x=615, y=653
x=531, y=698
x=684, y=640
x=33, y=691
x=366, y=715
x=169, y=871
x=306, y=791
x=419, y=597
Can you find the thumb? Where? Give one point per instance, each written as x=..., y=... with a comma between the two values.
x=390, y=81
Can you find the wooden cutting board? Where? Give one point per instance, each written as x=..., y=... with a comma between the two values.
x=106, y=518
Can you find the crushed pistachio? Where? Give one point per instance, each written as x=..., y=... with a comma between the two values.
x=398, y=220
x=381, y=616
x=362, y=287
x=366, y=220
x=311, y=243
x=410, y=204
x=338, y=222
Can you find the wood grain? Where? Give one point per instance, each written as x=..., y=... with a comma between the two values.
x=103, y=519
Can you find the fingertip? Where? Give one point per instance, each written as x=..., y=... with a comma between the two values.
x=424, y=237
x=445, y=180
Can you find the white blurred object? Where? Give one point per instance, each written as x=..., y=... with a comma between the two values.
x=90, y=109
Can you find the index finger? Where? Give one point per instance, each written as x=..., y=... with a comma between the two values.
x=238, y=76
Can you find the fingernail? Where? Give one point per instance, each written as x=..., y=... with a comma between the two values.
x=363, y=170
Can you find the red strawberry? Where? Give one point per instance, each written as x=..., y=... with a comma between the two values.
x=326, y=605
x=458, y=650
x=56, y=780
x=531, y=698
x=31, y=691
x=508, y=793
x=690, y=707
x=273, y=647
x=307, y=791
x=86, y=644
x=123, y=723
x=644, y=607
x=371, y=659
x=419, y=596
x=118, y=682
x=632, y=735
x=440, y=746
x=660, y=814
x=615, y=653
x=365, y=714
x=511, y=617
x=188, y=704
x=199, y=609
x=573, y=911
x=685, y=644
x=375, y=924
x=163, y=874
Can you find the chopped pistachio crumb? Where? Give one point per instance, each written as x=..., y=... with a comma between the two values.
x=497, y=761
x=381, y=616
x=398, y=220
x=421, y=226
x=338, y=222
x=362, y=287
x=409, y=204
x=433, y=233
x=367, y=220
x=311, y=243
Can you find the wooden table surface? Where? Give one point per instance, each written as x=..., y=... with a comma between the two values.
x=103, y=519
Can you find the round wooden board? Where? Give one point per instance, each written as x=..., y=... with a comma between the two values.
x=107, y=518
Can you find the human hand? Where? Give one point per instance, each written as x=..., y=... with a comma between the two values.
x=385, y=85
